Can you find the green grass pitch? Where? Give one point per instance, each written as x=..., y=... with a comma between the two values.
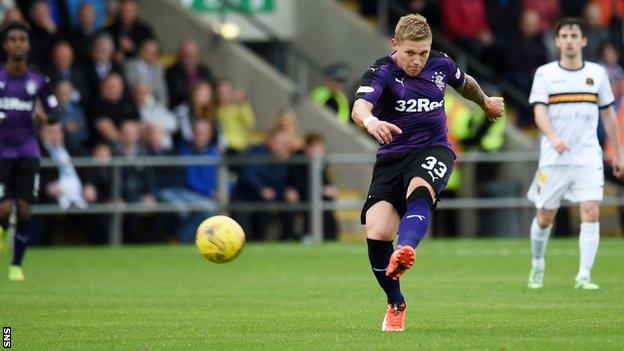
x=462, y=295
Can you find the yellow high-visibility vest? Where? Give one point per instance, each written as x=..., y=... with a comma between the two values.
x=322, y=94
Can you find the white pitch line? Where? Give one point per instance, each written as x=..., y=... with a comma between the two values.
x=466, y=251
x=517, y=252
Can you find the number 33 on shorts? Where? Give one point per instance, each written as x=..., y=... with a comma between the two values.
x=435, y=168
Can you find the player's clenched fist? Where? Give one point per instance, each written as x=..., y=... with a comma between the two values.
x=494, y=108
x=618, y=165
x=382, y=130
x=40, y=116
x=559, y=145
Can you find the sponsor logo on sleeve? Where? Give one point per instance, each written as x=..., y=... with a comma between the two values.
x=52, y=102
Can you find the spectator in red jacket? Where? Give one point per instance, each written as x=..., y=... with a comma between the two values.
x=465, y=23
x=548, y=11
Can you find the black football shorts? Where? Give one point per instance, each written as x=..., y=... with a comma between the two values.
x=19, y=179
x=393, y=173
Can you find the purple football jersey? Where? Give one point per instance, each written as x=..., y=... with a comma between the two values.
x=414, y=104
x=18, y=94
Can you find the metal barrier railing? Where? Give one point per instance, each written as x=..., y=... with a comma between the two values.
x=314, y=207
x=117, y=208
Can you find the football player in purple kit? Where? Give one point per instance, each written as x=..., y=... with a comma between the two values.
x=20, y=89
x=400, y=101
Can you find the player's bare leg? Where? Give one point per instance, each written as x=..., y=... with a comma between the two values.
x=588, y=244
x=540, y=232
x=382, y=222
x=5, y=212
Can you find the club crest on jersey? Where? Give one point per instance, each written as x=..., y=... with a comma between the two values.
x=31, y=87
x=542, y=178
x=590, y=81
x=438, y=79
x=400, y=81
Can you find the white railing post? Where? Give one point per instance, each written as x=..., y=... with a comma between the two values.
x=315, y=198
x=223, y=185
x=115, y=229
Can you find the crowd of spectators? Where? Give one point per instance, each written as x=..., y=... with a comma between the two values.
x=116, y=98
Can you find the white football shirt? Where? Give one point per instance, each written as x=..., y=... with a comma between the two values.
x=574, y=98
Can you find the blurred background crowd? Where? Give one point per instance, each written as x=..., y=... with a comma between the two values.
x=121, y=96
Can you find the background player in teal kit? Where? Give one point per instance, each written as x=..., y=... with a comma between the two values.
x=20, y=88
x=400, y=101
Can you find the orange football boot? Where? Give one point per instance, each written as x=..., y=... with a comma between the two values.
x=402, y=258
x=394, y=321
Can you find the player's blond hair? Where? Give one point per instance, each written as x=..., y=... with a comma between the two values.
x=412, y=27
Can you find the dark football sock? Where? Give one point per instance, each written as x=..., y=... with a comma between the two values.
x=379, y=253
x=20, y=241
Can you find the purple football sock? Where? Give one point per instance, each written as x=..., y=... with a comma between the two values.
x=20, y=240
x=414, y=223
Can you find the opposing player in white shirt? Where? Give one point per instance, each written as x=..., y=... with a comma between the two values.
x=568, y=96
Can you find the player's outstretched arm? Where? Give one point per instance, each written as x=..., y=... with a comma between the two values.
x=543, y=123
x=362, y=115
x=492, y=106
x=613, y=131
